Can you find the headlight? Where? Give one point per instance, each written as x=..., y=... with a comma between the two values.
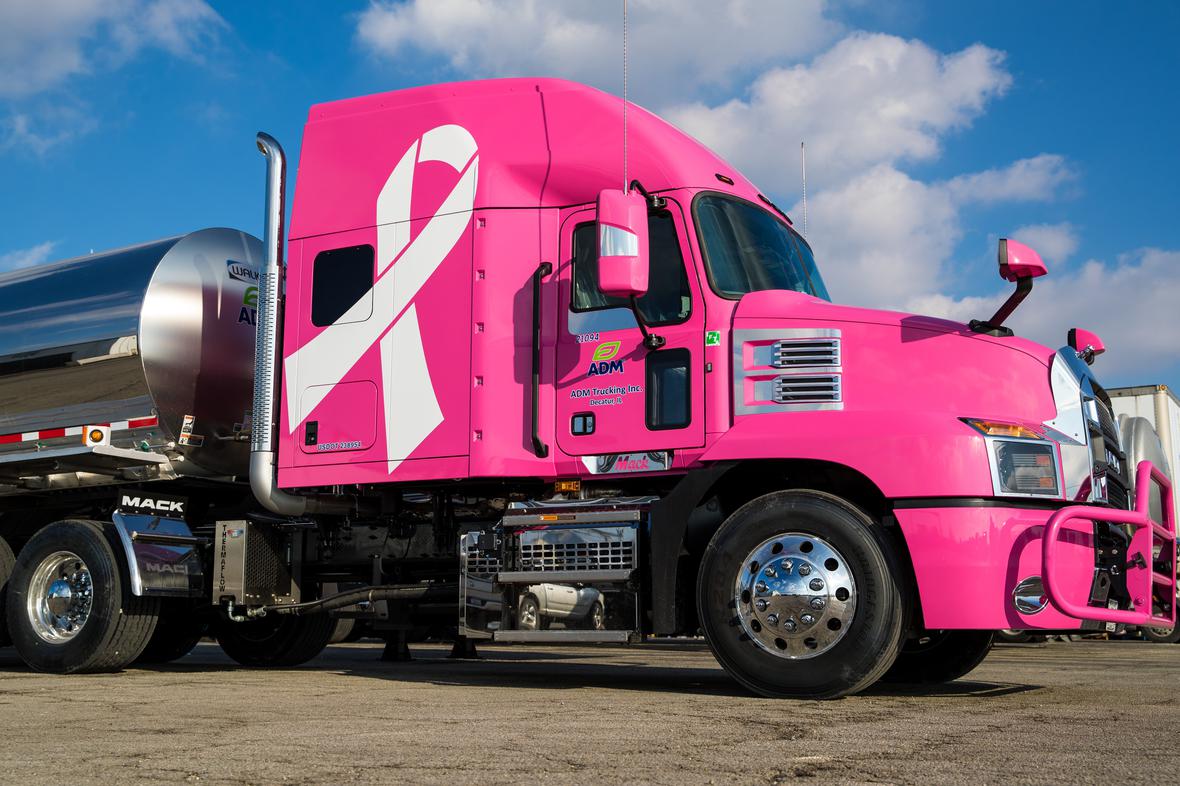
x=1023, y=461
x=1025, y=468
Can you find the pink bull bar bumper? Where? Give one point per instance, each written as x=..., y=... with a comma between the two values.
x=1143, y=580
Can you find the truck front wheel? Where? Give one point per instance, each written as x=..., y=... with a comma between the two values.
x=7, y=561
x=69, y=606
x=275, y=641
x=798, y=597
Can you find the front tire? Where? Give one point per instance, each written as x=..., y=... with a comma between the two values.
x=938, y=656
x=798, y=597
x=70, y=607
x=7, y=562
x=275, y=641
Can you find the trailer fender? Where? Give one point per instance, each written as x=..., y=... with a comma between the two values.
x=162, y=556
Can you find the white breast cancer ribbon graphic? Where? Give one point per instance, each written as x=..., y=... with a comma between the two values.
x=408, y=398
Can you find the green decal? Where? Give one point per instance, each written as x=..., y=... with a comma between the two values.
x=712, y=338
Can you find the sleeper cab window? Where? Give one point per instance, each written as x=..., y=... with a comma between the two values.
x=668, y=300
x=342, y=285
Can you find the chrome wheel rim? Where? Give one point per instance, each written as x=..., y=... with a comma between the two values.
x=60, y=597
x=795, y=596
x=528, y=615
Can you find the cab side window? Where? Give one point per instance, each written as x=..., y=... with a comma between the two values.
x=668, y=300
x=342, y=285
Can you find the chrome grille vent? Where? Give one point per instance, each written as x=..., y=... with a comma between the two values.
x=480, y=562
x=796, y=389
x=805, y=353
x=1107, y=422
x=586, y=555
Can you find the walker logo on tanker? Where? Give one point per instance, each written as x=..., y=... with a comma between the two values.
x=239, y=271
x=603, y=360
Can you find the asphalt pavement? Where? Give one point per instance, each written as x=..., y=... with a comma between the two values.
x=1084, y=712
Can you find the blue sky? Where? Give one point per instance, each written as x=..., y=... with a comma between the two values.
x=932, y=128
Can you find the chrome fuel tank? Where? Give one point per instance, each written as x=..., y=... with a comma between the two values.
x=159, y=336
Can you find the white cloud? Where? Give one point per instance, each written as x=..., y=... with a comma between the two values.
x=1056, y=243
x=1130, y=303
x=47, y=41
x=884, y=239
x=870, y=99
x=674, y=48
x=27, y=257
x=1036, y=178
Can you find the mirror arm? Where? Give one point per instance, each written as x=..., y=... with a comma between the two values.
x=994, y=326
x=653, y=200
x=650, y=340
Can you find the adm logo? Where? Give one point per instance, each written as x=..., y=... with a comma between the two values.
x=142, y=504
x=603, y=360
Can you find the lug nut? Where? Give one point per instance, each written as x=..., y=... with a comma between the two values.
x=760, y=604
x=817, y=603
x=760, y=587
x=789, y=625
x=772, y=619
x=807, y=619
x=804, y=570
x=816, y=584
x=770, y=572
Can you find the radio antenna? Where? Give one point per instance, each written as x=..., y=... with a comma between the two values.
x=803, y=171
x=626, y=185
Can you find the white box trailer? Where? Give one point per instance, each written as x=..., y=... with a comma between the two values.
x=1159, y=405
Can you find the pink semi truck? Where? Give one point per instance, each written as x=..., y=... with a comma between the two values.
x=509, y=387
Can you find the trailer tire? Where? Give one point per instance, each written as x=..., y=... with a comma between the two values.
x=275, y=641
x=1162, y=635
x=342, y=628
x=115, y=625
x=847, y=641
x=7, y=561
x=939, y=656
x=178, y=631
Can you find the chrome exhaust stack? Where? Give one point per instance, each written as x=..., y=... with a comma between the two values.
x=267, y=350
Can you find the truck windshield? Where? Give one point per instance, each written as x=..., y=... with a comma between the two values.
x=748, y=249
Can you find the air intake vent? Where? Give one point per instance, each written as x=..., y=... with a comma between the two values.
x=592, y=555
x=799, y=389
x=806, y=353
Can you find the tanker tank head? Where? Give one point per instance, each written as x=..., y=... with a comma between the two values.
x=1018, y=264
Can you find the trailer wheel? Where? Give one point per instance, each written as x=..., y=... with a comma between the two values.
x=1162, y=635
x=70, y=607
x=7, y=561
x=275, y=641
x=179, y=629
x=798, y=596
x=938, y=656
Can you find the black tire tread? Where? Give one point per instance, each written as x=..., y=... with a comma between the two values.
x=7, y=563
x=300, y=640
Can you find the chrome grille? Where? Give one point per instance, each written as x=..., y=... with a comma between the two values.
x=585, y=555
x=1107, y=422
x=797, y=389
x=480, y=562
x=802, y=353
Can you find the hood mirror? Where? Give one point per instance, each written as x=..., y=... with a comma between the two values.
x=1086, y=344
x=1018, y=264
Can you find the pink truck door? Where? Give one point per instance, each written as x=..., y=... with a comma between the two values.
x=614, y=395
